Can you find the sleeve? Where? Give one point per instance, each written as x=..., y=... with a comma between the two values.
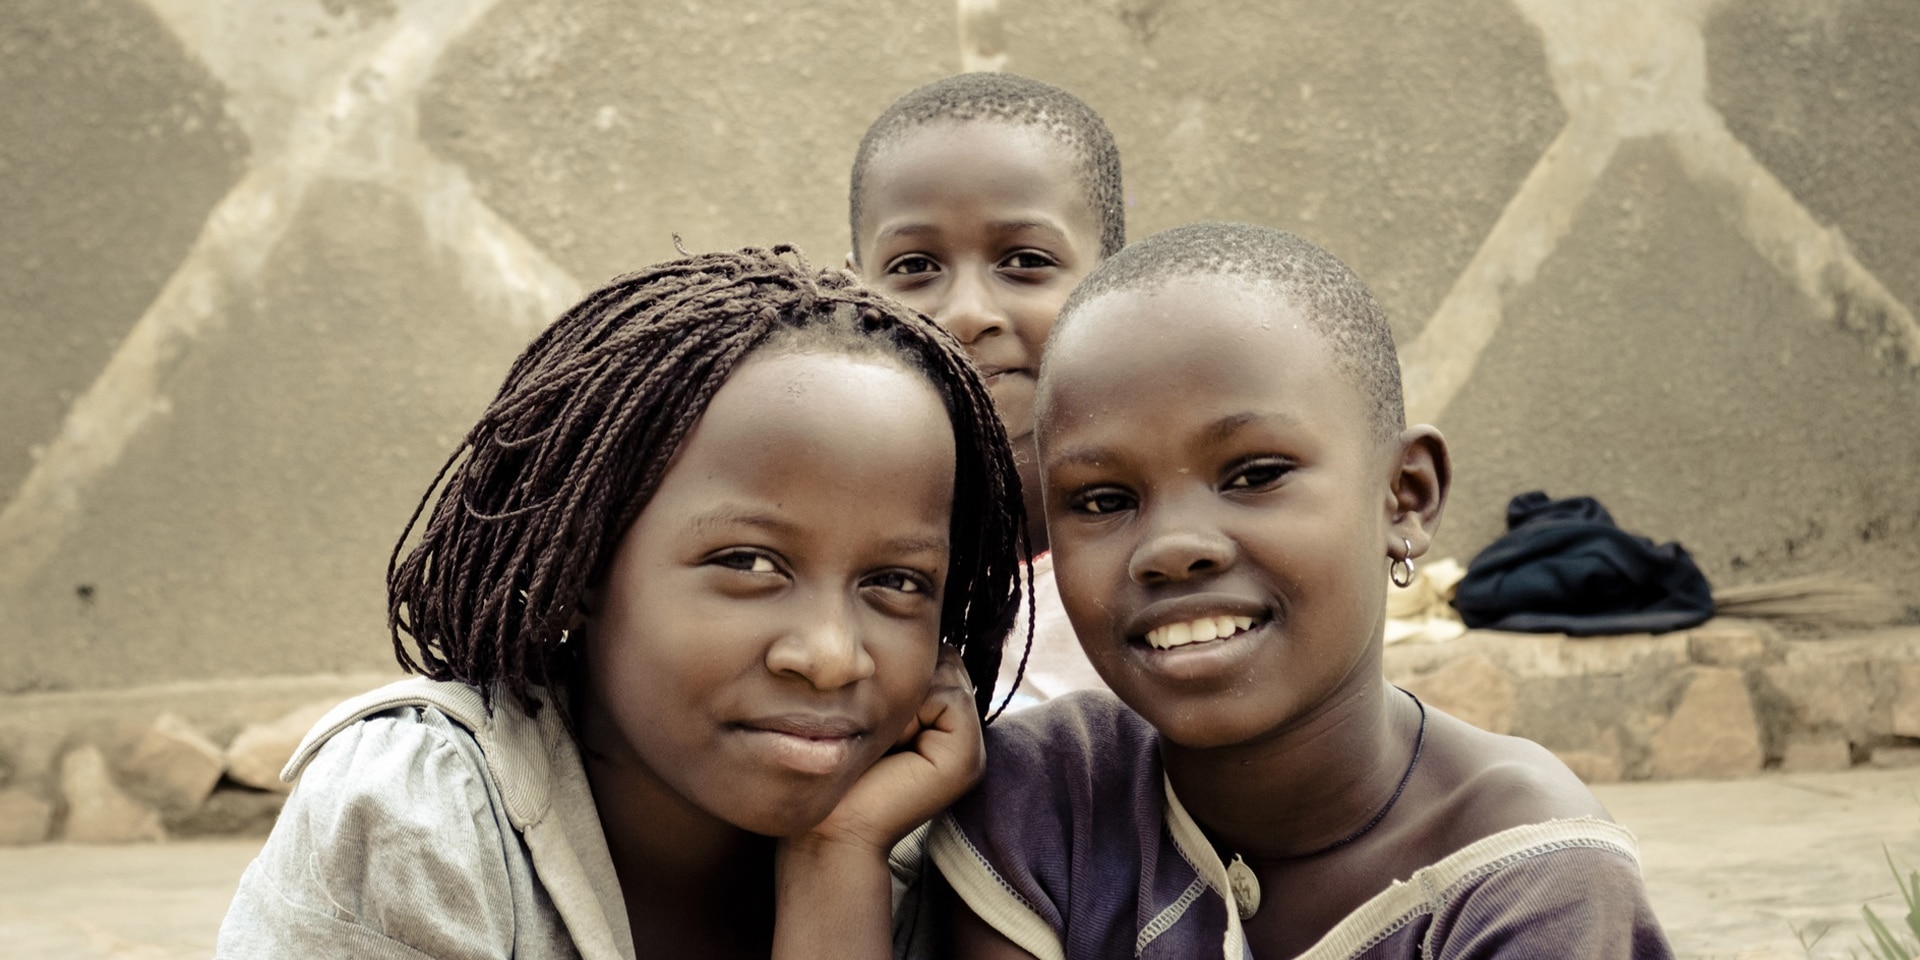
x=1582, y=903
x=1026, y=852
x=389, y=848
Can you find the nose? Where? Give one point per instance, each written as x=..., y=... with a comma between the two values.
x=969, y=311
x=1177, y=553
x=826, y=650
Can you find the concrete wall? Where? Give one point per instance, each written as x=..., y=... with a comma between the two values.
x=262, y=262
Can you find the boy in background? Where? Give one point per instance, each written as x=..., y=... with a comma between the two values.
x=981, y=200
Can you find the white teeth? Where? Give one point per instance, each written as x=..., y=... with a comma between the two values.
x=1198, y=630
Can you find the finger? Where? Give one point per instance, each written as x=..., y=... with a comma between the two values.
x=949, y=737
x=949, y=680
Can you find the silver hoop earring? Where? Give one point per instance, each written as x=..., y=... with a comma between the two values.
x=1400, y=571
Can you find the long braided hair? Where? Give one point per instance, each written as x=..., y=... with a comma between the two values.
x=539, y=494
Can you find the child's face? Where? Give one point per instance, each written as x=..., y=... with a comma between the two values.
x=984, y=227
x=770, y=622
x=1207, y=469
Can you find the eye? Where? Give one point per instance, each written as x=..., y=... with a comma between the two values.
x=746, y=561
x=1258, y=474
x=902, y=581
x=1100, y=502
x=1029, y=260
x=910, y=265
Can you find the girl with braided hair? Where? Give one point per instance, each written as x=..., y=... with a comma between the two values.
x=708, y=609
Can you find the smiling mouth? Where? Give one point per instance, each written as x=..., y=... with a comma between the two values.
x=1198, y=630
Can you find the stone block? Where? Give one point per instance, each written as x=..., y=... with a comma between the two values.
x=24, y=818
x=1471, y=688
x=1826, y=694
x=230, y=812
x=1633, y=653
x=1896, y=757
x=258, y=754
x=1816, y=755
x=97, y=810
x=1727, y=645
x=173, y=766
x=1712, y=732
x=1905, y=721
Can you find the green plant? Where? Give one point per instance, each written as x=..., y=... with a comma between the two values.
x=1891, y=943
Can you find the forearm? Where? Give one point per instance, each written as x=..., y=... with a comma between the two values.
x=832, y=899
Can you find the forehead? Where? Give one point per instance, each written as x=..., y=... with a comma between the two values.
x=865, y=422
x=959, y=167
x=1208, y=345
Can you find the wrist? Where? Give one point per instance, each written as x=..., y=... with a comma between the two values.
x=838, y=849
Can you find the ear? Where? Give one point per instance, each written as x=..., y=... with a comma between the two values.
x=1423, y=473
x=852, y=265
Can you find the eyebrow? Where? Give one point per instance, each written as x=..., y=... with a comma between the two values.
x=731, y=516
x=997, y=226
x=1219, y=430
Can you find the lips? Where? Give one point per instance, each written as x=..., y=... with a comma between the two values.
x=993, y=375
x=808, y=744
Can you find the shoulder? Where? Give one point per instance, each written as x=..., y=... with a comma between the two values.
x=1068, y=812
x=1047, y=766
x=1569, y=888
x=1487, y=783
x=392, y=833
x=1090, y=728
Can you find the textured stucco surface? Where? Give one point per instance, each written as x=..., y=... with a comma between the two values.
x=282, y=252
x=248, y=532
x=603, y=128
x=1392, y=133
x=1660, y=365
x=113, y=148
x=1827, y=95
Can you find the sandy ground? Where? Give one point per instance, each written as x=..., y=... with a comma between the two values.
x=1741, y=869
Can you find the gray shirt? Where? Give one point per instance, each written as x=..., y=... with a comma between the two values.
x=423, y=827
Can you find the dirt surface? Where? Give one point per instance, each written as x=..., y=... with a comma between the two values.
x=1738, y=869
x=1746, y=868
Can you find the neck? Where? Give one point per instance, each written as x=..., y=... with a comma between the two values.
x=1305, y=787
x=1026, y=460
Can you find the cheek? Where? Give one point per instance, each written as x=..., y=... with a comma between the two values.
x=1087, y=574
x=903, y=670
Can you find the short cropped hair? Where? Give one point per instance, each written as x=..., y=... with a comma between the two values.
x=1014, y=99
x=533, y=504
x=1335, y=300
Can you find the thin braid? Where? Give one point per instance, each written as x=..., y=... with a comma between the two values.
x=532, y=505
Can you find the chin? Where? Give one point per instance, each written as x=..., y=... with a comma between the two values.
x=1208, y=723
x=777, y=814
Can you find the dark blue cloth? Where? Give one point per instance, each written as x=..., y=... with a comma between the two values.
x=1564, y=566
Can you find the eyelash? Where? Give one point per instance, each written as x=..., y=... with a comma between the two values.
x=754, y=558
x=1244, y=471
x=1085, y=502
x=910, y=582
x=1045, y=261
x=893, y=269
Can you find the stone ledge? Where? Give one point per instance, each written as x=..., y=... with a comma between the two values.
x=1727, y=698
x=146, y=762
